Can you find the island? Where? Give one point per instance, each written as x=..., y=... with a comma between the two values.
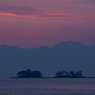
x=29, y=74
x=71, y=74
x=60, y=74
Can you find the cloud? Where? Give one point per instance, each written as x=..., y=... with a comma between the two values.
x=18, y=11
x=87, y=1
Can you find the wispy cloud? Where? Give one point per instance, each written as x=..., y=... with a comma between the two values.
x=87, y=1
x=18, y=11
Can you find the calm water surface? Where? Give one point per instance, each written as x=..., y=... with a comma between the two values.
x=47, y=86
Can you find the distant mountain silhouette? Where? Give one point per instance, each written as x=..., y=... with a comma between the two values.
x=65, y=56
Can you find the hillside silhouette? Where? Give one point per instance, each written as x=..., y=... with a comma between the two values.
x=65, y=56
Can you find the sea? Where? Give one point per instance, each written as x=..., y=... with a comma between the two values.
x=47, y=86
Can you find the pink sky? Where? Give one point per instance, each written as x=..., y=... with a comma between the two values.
x=35, y=23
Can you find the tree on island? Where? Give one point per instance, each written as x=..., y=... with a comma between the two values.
x=71, y=74
x=29, y=74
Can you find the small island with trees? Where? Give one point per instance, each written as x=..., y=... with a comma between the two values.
x=71, y=74
x=60, y=74
x=29, y=74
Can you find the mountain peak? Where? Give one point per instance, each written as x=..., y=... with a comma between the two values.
x=66, y=56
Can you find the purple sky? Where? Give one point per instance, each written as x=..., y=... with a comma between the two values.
x=35, y=23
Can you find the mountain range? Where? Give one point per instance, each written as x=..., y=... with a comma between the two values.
x=66, y=56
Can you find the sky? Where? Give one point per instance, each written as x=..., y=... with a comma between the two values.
x=35, y=23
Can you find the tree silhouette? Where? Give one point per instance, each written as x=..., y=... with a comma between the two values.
x=59, y=74
x=71, y=74
x=79, y=73
x=29, y=74
x=21, y=73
